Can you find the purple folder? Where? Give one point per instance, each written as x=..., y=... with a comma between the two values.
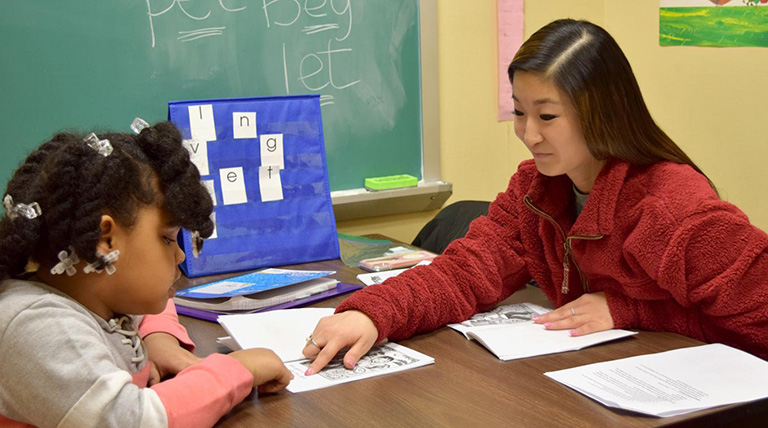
x=203, y=314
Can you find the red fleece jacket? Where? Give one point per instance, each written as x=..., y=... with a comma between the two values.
x=669, y=255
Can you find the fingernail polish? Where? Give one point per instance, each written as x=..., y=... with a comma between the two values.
x=547, y=324
x=308, y=372
x=351, y=364
x=571, y=332
x=535, y=317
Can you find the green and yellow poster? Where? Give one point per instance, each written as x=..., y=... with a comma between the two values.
x=722, y=23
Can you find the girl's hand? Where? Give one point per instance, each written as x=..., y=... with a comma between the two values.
x=269, y=373
x=154, y=375
x=587, y=314
x=166, y=356
x=351, y=329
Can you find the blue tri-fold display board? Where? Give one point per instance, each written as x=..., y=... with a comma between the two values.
x=263, y=161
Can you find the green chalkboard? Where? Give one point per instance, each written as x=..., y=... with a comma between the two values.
x=97, y=64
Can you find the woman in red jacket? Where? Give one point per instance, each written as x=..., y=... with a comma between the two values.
x=611, y=218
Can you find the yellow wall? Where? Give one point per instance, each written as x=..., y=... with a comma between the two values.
x=712, y=101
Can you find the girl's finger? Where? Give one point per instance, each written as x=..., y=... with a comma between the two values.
x=154, y=375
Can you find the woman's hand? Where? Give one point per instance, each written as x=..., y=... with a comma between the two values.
x=269, y=373
x=166, y=356
x=587, y=314
x=351, y=329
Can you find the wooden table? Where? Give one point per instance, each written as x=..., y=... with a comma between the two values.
x=466, y=387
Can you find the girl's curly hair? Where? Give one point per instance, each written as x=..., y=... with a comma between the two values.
x=75, y=185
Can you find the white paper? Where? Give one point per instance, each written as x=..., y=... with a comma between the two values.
x=283, y=331
x=211, y=190
x=270, y=186
x=244, y=125
x=233, y=186
x=508, y=332
x=379, y=277
x=674, y=382
x=201, y=124
x=198, y=154
x=529, y=340
x=384, y=359
x=272, y=150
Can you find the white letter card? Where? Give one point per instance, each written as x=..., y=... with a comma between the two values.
x=269, y=183
x=233, y=186
x=198, y=154
x=201, y=123
x=272, y=150
x=214, y=235
x=244, y=125
x=211, y=190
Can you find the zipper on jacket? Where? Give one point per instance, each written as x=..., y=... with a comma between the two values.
x=566, y=244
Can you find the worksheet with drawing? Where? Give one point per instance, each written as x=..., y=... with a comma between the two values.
x=285, y=332
x=385, y=359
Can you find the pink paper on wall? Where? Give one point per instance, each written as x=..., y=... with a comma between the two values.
x=510, y=28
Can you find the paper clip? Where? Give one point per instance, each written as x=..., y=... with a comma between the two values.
x=102, y=147
x=28, y=211
x=67, y=263
x=103, y=263
x=138, y=125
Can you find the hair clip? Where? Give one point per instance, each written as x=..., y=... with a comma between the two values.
x=138, y=125
x=197, y=243
x=67, y=263
x=105, y=262
x=29, y=211
x=102, y=147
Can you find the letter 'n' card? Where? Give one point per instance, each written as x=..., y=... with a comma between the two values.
x=264, y=165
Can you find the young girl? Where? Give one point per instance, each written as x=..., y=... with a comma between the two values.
x=87, y=245
x=611, y=218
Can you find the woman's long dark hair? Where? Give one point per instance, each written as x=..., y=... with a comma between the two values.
x=74, y=186
x=587, y=65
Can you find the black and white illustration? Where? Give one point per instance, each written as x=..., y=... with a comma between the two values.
x=506, y=314
x=388, y=358
x=383, y=358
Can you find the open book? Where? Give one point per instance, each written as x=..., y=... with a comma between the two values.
x=509, y=333
x=268, y=287
x=285, y=332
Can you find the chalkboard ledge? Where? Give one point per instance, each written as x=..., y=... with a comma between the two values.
x=361, y=203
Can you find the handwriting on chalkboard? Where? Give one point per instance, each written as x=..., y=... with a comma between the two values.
x=330, y=20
